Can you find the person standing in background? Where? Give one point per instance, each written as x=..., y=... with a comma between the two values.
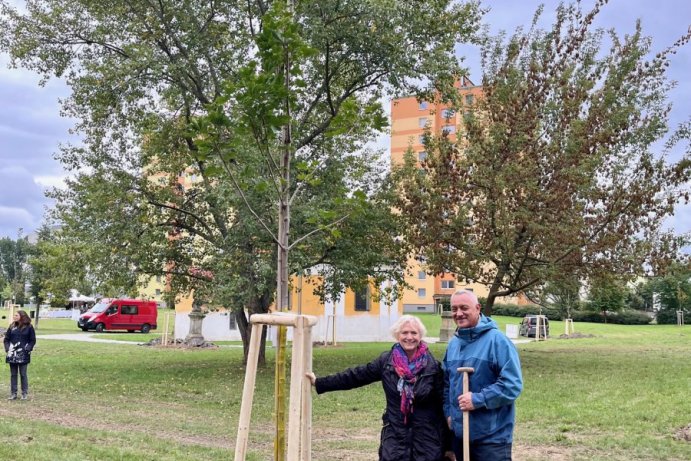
x=20, y=339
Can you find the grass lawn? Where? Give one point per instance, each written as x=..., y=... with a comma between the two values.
x=620, y=395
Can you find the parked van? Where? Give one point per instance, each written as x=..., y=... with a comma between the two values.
x=529, y=324
x=120, y=314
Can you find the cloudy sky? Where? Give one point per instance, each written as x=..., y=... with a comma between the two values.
x=31, y=128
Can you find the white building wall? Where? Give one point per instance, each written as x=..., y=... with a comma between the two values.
x=352, y=328
x=215, y=327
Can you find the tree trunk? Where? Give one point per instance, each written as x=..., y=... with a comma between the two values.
x=246, y=333
x=489, y=305
x=38, y=309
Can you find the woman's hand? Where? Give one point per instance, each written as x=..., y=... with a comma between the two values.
x=311, y=377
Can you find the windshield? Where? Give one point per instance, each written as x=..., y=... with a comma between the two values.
x=100, y=307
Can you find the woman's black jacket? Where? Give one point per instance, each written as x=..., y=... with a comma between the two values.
x=19, y=342
x=424, y=436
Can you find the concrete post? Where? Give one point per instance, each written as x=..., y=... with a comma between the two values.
x=448, y=327
x=194, y=336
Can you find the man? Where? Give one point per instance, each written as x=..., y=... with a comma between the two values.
x=494, y=385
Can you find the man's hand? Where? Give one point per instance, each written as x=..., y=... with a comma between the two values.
x=465, y=401
x=448, y=421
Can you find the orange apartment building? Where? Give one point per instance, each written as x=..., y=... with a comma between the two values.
x=409, y=118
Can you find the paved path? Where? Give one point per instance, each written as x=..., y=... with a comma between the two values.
x=85, y=337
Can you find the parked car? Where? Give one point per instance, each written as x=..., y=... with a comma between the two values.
x=120, y=314
x=529, y=326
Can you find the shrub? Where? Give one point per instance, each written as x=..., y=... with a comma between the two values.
x=625, y=317
x=669, y=316
x=514, y=310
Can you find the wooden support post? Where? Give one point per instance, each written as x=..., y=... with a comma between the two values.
x=333, y=331
x=306, y=429
x=300, y=413
x=166, y=326
x=248, y=393
x=568, y=327
x=297, y=375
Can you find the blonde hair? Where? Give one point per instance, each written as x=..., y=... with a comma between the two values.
x=402, y=320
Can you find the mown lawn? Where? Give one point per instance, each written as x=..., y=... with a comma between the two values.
x=620, y=395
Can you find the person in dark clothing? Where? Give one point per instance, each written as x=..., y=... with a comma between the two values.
x=414, y=428
x=20, y=339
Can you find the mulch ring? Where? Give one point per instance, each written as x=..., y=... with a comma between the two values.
x=683, y=434
x=180, y=344
x=575, y=335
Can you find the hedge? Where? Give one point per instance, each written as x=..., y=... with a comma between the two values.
x=626, y=317
x=669, y=316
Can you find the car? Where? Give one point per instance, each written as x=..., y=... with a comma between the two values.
x=529, y=326
x=120, y=314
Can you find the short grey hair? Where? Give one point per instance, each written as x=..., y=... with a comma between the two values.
x=466, y=292
x=404, y=319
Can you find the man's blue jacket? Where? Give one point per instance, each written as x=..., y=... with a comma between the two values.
x=495, y=383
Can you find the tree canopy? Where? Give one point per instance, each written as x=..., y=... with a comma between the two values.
x=557, y=169
x=203, y=121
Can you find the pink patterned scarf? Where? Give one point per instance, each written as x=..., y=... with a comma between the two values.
x=408, y=371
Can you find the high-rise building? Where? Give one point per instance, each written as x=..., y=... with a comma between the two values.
x=409, y=119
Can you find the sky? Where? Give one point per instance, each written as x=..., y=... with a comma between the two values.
x=31, y=128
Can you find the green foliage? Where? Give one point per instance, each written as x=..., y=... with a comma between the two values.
x=218, y=137
x=607, y=294
x=13, y=268
x=59, y=265
x=623, y=317
x=673, y=293
x=515, y=310
x=556, y=169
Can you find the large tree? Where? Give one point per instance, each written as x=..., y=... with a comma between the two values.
x=13, y=267
x=262, y=103
x=557, y=167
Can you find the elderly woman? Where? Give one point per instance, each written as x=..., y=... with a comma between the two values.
x=414, y=427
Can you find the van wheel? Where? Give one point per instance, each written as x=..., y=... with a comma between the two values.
x=146, y=328
x=85, y=329
x=100, y=327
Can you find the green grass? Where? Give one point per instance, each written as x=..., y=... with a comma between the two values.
x=620, y=395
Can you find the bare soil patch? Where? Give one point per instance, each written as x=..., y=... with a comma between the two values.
x=683, y=434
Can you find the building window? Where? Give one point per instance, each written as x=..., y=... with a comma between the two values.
x=421, y=292
x=447, y=284
x=421, y=308
x=421, y=275
x=423, y=105
x=448, y=113
x=422, y=156
x=422, y=122
x=158, y=292
x=469, y=99
x=362, y=300
x=448, y=129
x=158, y=279
x=421, y=139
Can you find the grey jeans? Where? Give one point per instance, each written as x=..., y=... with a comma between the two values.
x=21, y=369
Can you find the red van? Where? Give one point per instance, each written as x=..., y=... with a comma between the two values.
x=120, y=314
